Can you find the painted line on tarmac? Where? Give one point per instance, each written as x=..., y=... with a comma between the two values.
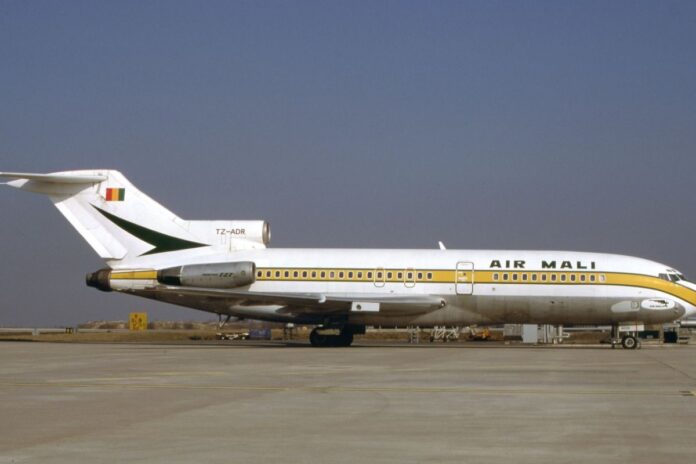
x=345, y=389
x=581, y=367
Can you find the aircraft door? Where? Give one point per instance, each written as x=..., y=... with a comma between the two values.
x=379, y=277
x=409, y=277
x=464, y=278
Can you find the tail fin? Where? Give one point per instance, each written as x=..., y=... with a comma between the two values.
x=119, y=221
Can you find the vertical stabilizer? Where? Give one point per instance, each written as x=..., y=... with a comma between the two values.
x=119, y=221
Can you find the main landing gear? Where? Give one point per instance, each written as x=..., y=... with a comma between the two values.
x=628, y=341
x=323, y=337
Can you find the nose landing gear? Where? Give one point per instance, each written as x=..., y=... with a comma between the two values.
x=628, y=341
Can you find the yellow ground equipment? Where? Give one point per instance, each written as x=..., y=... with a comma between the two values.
x=137, y=321
x=479, y=333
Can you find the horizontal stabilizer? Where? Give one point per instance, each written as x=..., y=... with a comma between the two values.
x=57, y=178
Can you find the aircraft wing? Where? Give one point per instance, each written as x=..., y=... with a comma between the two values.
x=316, y=302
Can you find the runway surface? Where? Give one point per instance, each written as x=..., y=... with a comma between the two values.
x=267, y=402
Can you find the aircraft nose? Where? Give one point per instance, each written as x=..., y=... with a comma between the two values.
x=691, y=307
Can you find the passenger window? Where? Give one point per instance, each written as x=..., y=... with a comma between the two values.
x=524, y=276
x=296, y=274
x=544, y=277
x=268, y=274
x=286, y=274
x=553, y=277
x=505, y=276
x=420, y=276
x=350, y=275
x=592, y=278
x=340, y=275
x=314, y=274
x=332, y=274
x=259, y=273
x=277, y=274
x=534, y=277
x=409, y=276
x=379, y=275
x=389, y=275
x=400, y=276
x=323, y=274
x=583, y=277
x=602, y=278
x=360, y=275
x=495, y=276
x=514, y=276
x=572, y=277
x=563, y=277
x=304, y=274
x=430, y=276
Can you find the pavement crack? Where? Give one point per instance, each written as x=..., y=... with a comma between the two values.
x=670, y=366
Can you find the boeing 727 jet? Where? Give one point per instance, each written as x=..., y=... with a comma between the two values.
x=225, y=267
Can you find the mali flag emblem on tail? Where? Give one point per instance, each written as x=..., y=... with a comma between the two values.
x=115, y=194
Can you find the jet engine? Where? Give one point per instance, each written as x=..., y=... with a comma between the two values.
x=257, y=231
x=216, y=275
x=99, y=279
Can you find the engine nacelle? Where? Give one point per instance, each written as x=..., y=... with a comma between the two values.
x=217, y=275
x=256, y=231
x=101, y=279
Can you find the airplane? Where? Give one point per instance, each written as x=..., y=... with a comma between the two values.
x=225, y=267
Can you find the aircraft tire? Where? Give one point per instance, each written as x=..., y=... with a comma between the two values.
x=317, y=339
x=345, y=338
x=629, y=342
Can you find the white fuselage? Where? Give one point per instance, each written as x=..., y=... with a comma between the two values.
x=478, y=286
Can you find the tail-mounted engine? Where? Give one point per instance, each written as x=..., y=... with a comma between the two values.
x=218, y=275
x=99, y=279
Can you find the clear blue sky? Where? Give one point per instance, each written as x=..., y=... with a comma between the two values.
x=491, y=124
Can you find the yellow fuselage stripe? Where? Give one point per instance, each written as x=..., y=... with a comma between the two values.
x=450, y=276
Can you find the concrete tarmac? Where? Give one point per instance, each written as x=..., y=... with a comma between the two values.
x=268, y=402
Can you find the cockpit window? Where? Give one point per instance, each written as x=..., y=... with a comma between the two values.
x=672, y=277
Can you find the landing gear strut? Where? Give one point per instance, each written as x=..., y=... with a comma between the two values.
x=343, y=338
x=222, y=323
